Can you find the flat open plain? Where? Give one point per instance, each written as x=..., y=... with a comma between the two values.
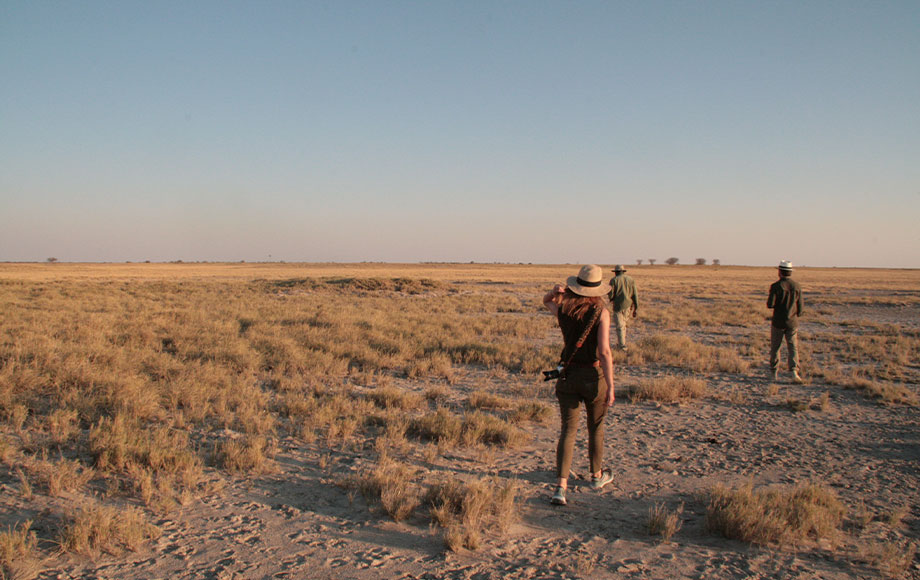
x=221, y=421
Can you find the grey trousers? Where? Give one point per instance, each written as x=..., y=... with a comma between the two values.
x=792, y=345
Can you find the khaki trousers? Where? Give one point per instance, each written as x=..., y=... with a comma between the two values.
x=792, y=345
x=621, y=318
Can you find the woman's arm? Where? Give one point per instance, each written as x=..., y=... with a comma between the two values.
x=604, y=354
x=552, y=298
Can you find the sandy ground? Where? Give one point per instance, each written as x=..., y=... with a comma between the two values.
x=296, y=523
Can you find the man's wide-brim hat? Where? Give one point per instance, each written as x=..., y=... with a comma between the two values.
x=785, y=266
x=589, y=282
x=619, y=268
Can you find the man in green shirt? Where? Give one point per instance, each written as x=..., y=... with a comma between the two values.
x=786, y=301
x=625, y=301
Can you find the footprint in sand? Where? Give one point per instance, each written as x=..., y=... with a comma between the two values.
x=373, y=558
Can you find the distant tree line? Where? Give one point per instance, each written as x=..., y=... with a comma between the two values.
x=672, y=261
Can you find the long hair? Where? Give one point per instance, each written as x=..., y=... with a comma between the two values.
x=577, y=306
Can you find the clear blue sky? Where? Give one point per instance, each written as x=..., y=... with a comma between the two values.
x=511, y=131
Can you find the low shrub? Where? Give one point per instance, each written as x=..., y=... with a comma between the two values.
x=774, y=516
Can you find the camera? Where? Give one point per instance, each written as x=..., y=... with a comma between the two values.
x=553, y=374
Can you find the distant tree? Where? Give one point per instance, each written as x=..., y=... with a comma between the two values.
x=651, y=261
x=701, y=261
x=639, y=262
x=672, y=261
x=52, y=260
x=716, y=262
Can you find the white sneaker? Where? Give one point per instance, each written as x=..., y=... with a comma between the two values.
x=558, y=497
x=603, y=479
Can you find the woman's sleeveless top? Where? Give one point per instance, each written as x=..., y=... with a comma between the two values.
x=572, y=329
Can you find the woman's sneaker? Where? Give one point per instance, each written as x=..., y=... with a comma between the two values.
x=603, y=479
x=559, y=496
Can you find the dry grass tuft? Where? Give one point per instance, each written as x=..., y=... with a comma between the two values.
x=892, y=558
x=895, y=517
x=485, y=400
x=484, y=429
x=663, y=522
x=59, y=477
x=436, y=394
x=250, y=455
x=466, y=511
x=795, y=405
x=442, y=426
x=668, y=389
x=394, y=398
x=681, y=351
x=774, y=516
x=18, y=556
x=391, y=484
x=888, y=393
x=105, y=529
x=532, y=411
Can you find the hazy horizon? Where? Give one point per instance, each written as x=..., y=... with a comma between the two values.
x=645, y=264
x=411, y=132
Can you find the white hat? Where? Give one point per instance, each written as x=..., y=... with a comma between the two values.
x=589, y=282
x=785, y=265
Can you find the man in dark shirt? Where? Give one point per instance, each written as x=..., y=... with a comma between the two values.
x=786, y=301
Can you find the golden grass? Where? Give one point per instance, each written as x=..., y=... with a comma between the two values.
x=664, y=522
x=18, y=552
x=466, y=511
x=250, y=455
x=96, y=529
x=532, y=411
x=892, y=558
x=668, y=389
x=395, y=398
x=681, y=351
x=133, y=377
x=391, y=484
x=774, y=516
x=440, y=426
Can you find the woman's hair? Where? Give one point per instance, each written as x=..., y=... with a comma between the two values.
x=577, y=306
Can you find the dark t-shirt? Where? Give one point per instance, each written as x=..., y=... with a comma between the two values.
x=572, y=328
x=786, y=301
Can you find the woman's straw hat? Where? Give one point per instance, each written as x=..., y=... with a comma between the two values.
x=589, y=282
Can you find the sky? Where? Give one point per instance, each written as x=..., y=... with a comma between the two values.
x=526, y=131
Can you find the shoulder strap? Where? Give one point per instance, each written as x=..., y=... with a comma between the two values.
x=584, y=335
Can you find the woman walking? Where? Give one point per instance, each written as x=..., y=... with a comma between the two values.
x=587, y=371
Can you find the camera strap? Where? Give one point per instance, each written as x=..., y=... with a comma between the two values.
x=583, y=338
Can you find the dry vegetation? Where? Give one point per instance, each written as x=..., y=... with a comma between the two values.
x=150, y=386
x=775, y=516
